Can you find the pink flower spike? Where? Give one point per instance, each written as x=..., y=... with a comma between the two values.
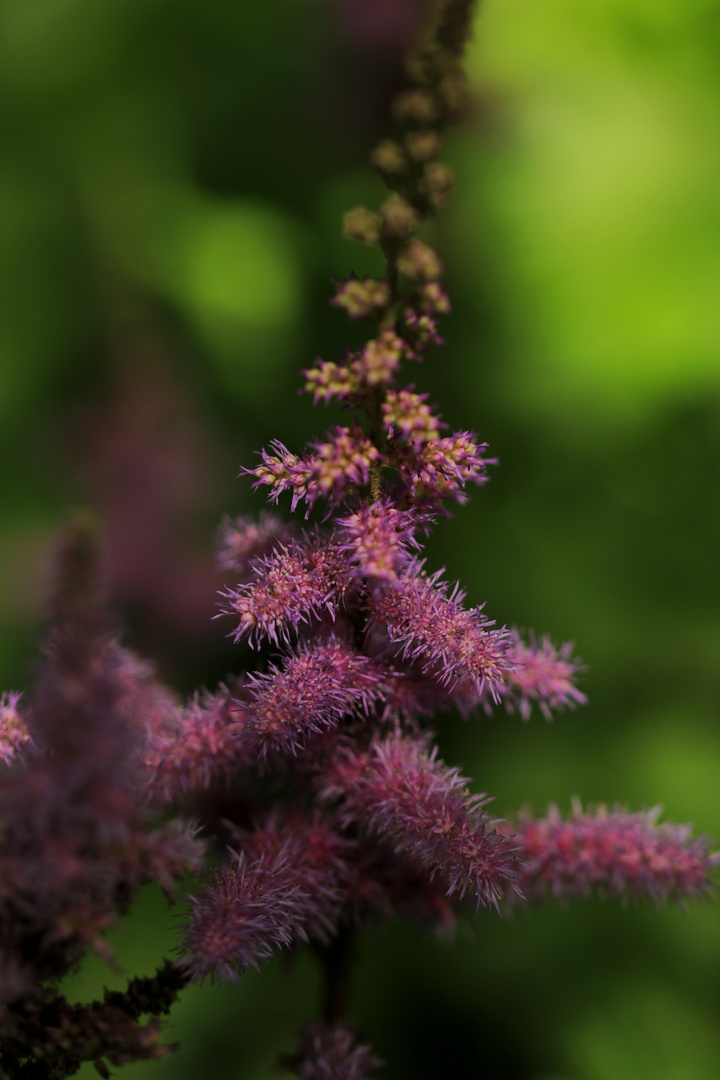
x=378, y=539
x=401, y=793
x=451, y=642
x=14, y=734
x=312, y=692
x=297, y=583
x=612, y=852
x=541, y=674
x=284, y=888
x=200, y=749
x=332, y=1052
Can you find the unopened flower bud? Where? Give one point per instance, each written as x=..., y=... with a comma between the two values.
x=362, y=299
x=389, y=157
x=433, y=299
x=398, y=216
x=453, y=94
x=418, y=260
x=361, y=224
x=437, y=179
x=420, y=106
x=423, y=145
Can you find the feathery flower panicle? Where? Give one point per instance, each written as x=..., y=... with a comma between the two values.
x=333, y=725
x=299, y=582
x=14, y=734
x=75, y=841
x=241, y=540
x=282, y=889
x=199, y=749
x=406, y=414
x=379, y=539
x=454, y=643
x=402, y=793
x=543, y=675
x=332, y=1052
x=311, y=693
x=612, y=852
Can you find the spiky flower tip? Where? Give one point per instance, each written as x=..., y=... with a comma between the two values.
x=14, y=734
x=241, y=539
x=334, y=467
x=400, y=792
x=310, y=694
x=282, y=888
x=541, y=675
x=612, y=852
x=332, y=1052
x=429, y=624
x=406, y=415
x=341, y=463
x=299, y=582
x=200, y=748
x=440, y=468
x=380, y=539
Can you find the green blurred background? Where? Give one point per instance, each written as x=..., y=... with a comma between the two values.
x=172, y=175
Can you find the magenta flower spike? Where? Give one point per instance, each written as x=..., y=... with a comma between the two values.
x=405, y=794
x=310, y=796
x=612, y=852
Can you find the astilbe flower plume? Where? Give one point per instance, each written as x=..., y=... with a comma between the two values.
x=78, y=840
x=315, y=689
x=373, y=643
x=283, y=887
x=540, y=674
x=402, y=792
x=322, y=796
x=296, y=584
x=612, y=852
x=426, y=620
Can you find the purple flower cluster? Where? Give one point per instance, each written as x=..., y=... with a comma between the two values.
x=399, y=790
x=283, y=887
x=78, y=840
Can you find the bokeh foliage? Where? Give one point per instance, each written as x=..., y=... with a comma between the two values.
x=172, y=175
